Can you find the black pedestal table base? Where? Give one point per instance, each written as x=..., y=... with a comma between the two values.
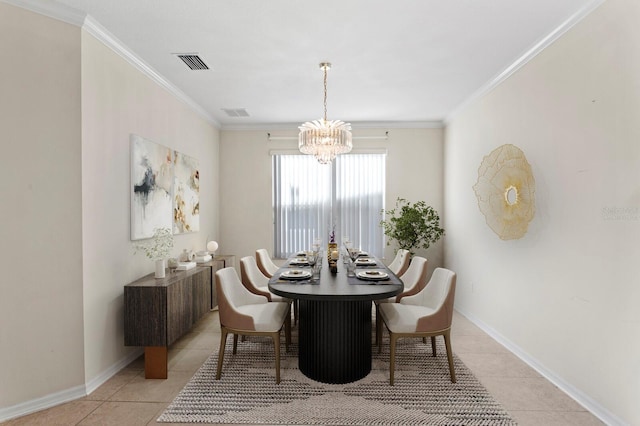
x=335, y=340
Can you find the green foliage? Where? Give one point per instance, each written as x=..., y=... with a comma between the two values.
x=412, y=226
x=159, y=246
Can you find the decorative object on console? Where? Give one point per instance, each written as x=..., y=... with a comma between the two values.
x=212, y=246
x=202, y=257
x=325, y=139
x=506, y=192
x=157, y=248
x=187, y=256
x=412, y=225
x=185, y=266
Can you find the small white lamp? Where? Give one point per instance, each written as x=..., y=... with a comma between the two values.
x=212, y=246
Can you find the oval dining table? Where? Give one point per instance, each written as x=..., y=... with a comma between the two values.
x=334, y=319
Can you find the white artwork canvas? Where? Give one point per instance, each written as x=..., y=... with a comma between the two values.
x=186, y=194
x=151, y=187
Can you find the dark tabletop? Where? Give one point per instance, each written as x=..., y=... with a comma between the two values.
x=336, y=286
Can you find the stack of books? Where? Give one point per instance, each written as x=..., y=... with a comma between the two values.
x=202, y=258
x=185, y=266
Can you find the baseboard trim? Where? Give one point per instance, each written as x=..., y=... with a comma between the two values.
x=580, y=397
x=67, y=395
x=42, y=403
x=100, y=379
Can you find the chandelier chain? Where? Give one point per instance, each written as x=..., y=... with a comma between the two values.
x=325, y=93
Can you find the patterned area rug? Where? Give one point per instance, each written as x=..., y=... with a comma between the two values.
x=422, y=395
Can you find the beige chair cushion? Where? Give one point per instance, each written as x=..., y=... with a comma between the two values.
x=267, y=317
x=429, y=310
x=274, y=297
x=414, y=279
x=265, y=264
x=401, y=262
x=254, y=280
x=403, y=318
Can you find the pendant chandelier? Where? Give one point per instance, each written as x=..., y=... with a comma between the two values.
x=325, y=139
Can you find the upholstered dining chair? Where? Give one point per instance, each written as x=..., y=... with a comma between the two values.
x=257, y=283
x=244, y=313
x=425, y=314
x=265, y=264
x=401, y=262
x=414, y=279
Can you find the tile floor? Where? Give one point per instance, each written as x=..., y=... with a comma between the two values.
x=128, y=399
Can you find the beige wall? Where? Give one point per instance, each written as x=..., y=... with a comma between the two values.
x=68, y=106
x=118, y=100
x=41, y=350
x=414, y=172
x=566, y=295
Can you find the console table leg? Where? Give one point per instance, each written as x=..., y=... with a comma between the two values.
x=155, y=362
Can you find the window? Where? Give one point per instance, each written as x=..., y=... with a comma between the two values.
x=308, y=198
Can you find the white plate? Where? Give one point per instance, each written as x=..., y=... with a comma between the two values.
x=299, y=261
x=295, y=274
x=365, y=261
x=372, y=275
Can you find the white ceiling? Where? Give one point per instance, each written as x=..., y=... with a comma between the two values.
x=409, y=61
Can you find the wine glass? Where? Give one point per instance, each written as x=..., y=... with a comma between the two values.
x=345, y=253
x=317, y=242
x=314, y=263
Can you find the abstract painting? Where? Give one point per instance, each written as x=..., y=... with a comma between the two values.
x=151, y=187
x=186, y=194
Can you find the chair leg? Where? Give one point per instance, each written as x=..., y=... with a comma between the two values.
x=433, y=345
x=235, y=343
x=447, y=343
x=276, y=344
x=392, y=357
x=223, y=343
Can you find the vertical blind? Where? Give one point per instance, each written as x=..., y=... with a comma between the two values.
x=310, y=198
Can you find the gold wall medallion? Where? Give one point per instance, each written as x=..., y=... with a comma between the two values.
x=506, y=192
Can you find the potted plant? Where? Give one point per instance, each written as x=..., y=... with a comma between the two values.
x=412, y=225
x=158, y=248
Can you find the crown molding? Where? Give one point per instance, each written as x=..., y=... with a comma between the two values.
x=91, y=26
x=526, y=57
x=51, y=9
x=432, y=124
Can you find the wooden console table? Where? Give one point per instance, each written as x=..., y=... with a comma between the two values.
x=158, y=311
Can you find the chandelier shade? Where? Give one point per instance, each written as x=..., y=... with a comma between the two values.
x=322, y=138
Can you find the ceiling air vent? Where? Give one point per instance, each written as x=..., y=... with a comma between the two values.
x=236, y=112
x=193, y=61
